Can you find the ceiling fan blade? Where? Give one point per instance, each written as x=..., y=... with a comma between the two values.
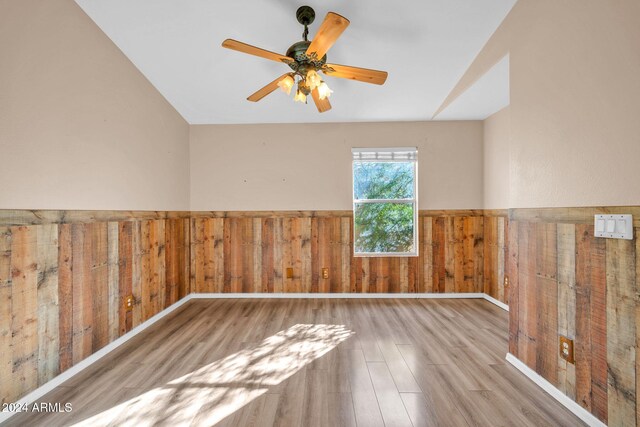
x=331, y=28
x=359, y=74
x=261, y=93
x=322, y=104
x=252, y=50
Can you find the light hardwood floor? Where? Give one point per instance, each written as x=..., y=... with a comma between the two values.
x=308, y=362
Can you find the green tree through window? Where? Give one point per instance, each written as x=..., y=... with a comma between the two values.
x=384, y=207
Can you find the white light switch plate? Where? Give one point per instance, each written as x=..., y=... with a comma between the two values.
x=613, y=226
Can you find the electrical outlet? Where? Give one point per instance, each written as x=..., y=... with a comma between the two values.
x=566, y=349
x=506, y=281
x=289, y=273
x=325, y=273
x=128, y=303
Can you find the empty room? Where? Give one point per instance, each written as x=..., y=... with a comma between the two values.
x=336, y=213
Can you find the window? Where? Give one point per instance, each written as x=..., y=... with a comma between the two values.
x=385, y=196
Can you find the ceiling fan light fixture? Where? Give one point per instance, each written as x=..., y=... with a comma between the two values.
x=300, y=97
x=286, y=84
x=313, y=79
x=323, y=91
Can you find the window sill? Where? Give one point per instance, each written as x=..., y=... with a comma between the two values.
x=386, y=255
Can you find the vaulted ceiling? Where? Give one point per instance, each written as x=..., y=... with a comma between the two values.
x=425, y=45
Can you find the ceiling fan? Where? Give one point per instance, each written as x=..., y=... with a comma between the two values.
x=307, y=58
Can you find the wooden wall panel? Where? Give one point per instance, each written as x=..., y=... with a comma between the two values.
x=490, y=255
x=566, y=245
x=425, y=281
x=268, y=265
x=125, y=276
x=197, y=258
x=621, y=331
x=136, y=273
x=413, y=275
x=65, y=296
x=514, y=288
x=292, y=254
x=527, y=295
x=439, y=266
x=499, y=262
x=477, y=237
x=278, y=274
x=494, y=254
x=7, y=392
x=81, y=284
x=24, y=322
x=113, y=268
x=468, y=256
x=234, y=252
x=460, y=283
x=449, y=255
x=98, y=285
x=184, y=285
x=160, y=264
x=232, y=255
x=211, y=257
x=152, y=264
x=251, y=251
x=346, y=248
x=598, y=308
x=173, y=261
x=588, y=288
x=546, y=286
x=48, y=317
x=213, y=273
x=143, y=288
x=174, y=246
x=256, y=224
x=63, y=285
x=335, y=246
x=582, y=346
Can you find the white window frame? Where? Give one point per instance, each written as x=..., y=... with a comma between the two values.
x=392, y=155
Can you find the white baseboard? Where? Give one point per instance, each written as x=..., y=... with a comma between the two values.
x=492, y=300
x=565, y=400
x=339, y=295
x=36, y=394
x=477, y=295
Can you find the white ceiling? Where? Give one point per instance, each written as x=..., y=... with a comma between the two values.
x=425, y=45
x=488, y=95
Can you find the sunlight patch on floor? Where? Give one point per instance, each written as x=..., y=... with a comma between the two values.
x=213, y=392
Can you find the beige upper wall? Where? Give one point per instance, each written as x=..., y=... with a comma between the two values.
x=304, y=166
x=80, y=127
x=575, y=102
x=496, y=160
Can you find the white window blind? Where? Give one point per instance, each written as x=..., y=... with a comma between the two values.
x=395, y=154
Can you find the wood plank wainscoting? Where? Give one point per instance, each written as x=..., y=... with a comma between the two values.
x=566, y=282
x=460, y=251
x=65, y=275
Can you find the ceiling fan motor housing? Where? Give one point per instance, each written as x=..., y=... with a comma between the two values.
x=304, y=62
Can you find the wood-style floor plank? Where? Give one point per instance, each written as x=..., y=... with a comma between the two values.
x=389, y=401
x=292, y=362
x=365, y=404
